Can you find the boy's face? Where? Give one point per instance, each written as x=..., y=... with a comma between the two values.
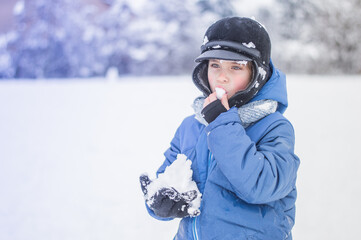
x=232, y=76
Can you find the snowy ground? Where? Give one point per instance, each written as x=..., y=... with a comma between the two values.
x=71, y=153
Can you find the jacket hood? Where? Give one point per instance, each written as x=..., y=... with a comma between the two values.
x=274, y=89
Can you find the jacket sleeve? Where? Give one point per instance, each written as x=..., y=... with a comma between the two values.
x=259, y=172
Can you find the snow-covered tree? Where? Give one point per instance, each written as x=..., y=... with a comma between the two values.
x=320, y=36
x=221, y=8
x=6, y=61
x=161, y=37
x=116, y=39
x=169, y=33
x=337, y=29
x=37, y=50
x=66, y=38
x=83, y=39
x=53, y=40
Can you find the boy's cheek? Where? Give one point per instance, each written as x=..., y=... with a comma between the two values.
x=211, y=84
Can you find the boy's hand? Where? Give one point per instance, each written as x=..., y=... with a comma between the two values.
x=213, y=97
x=168, y=202
x=213, y=107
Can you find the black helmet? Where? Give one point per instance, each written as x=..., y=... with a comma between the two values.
x=238, y=39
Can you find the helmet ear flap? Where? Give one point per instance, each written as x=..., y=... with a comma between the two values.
x=200, y=78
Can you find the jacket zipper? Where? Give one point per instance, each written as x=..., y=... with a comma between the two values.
x=210, y=155
x=194, y=223
x=194, y=228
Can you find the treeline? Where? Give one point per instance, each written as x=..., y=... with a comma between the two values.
x=66, y=38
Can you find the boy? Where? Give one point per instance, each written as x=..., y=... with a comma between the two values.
x=240, y=144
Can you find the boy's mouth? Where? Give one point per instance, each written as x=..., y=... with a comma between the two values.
x=220, y=88
x=220, y=91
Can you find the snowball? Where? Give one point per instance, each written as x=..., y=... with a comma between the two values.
x=249, y=45
x=220, y=92
x=178, y=176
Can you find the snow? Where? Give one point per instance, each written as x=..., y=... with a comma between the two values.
x=5, y=61
x=72, y=151
x=112, y=74
x=178, y=176
x=242, y=62
x=205, y=40
x=19, y=8
x=220, y=92
x=249, y=45
x=262, y=72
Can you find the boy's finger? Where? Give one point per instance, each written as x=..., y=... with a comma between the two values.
x=206, y=102
x=189, y=196
x=224, y=101
x=212, y=97
x=144, y=182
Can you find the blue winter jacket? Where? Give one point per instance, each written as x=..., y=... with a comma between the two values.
x=246, y=176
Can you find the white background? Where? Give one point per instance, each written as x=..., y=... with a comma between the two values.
x=71, y=152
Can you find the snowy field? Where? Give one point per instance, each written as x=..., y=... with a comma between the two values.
x=71, y=152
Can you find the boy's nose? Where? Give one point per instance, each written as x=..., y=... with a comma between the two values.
x=222, y=77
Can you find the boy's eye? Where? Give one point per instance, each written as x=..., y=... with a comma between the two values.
x=236, y=68
x=214, y=65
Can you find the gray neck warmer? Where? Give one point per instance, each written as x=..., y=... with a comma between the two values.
x=248, y=113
